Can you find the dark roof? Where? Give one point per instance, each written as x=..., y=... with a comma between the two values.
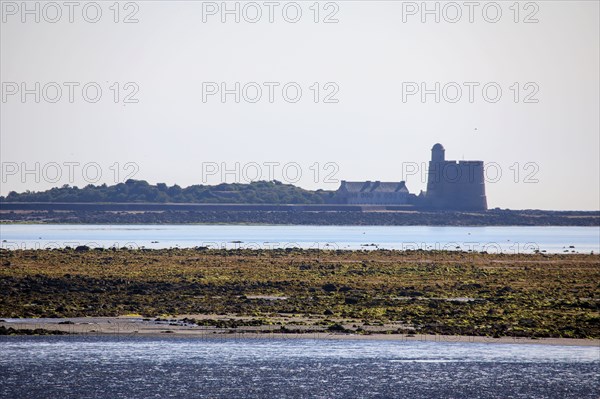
x=369, y=186
x=437, y=146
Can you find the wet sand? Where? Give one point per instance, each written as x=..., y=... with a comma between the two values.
x=125, y=326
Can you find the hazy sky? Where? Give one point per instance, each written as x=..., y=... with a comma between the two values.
x=539, y=138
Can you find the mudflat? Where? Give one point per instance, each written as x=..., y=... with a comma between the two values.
x=377, y=294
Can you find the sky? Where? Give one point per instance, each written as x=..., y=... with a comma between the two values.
x=308, y=93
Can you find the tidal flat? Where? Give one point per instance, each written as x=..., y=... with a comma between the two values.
x=299, y=291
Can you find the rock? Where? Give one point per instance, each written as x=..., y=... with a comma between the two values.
x=351, y=300
x=329, y=287
x=337, y=328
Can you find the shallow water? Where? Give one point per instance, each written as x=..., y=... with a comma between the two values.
x=116, y=367
x=508, y=239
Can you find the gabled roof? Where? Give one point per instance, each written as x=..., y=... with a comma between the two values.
x=354, y=186
x=369, y=186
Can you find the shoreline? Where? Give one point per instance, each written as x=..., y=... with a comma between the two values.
x=270, y=224
x=285, y=215
x=129, y=327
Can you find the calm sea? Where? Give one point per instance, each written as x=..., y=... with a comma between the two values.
x=511, y=239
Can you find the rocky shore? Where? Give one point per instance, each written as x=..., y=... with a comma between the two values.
x=353, y=292
x=305, y=217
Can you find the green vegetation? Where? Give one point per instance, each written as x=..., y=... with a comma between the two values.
x=25, y=331
x=261, y=192
x=463, y=293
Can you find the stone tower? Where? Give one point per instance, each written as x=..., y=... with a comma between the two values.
x=454, y=185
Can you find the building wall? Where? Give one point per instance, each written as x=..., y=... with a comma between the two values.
x=376, y=198
x=456, y=185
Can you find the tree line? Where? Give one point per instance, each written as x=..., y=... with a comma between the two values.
x=260, y=192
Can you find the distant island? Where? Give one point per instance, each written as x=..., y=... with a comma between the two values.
x=455, y=196
x=451, y=185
